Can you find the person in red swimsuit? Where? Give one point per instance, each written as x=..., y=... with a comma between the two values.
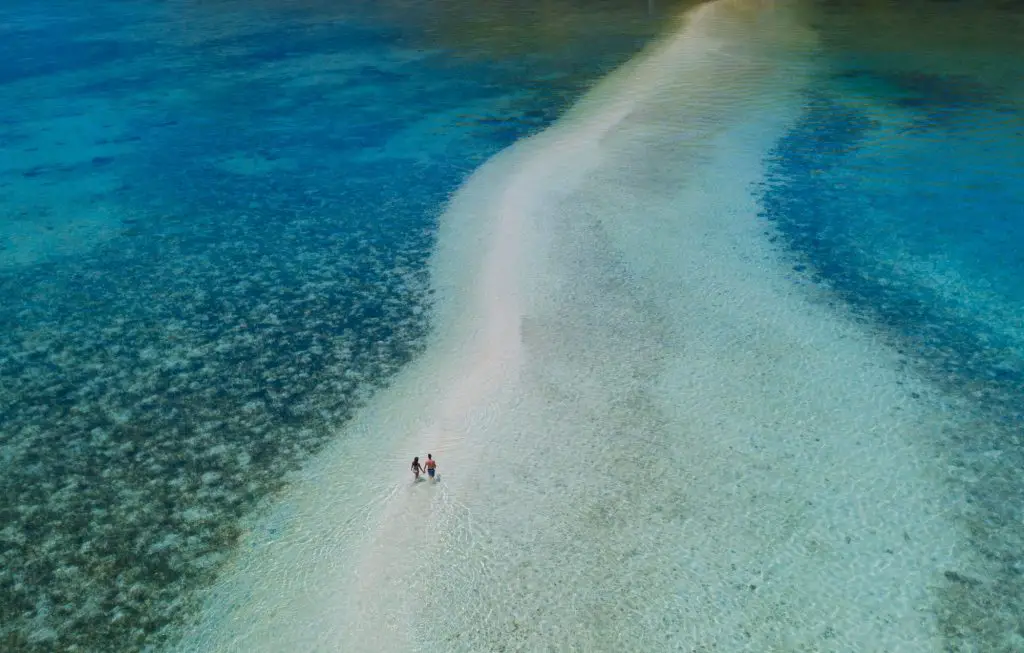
x=431, y=465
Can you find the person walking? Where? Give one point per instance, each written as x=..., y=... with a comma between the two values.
x=431, y=466
x=416, y=468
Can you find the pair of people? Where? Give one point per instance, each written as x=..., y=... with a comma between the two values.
x=430, y=465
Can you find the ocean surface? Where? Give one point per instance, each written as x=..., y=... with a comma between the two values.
x=713, y=315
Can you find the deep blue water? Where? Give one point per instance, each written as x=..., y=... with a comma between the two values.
x=215, y=226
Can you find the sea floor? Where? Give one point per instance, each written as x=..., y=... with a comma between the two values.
x=721, y=353
x=213, y=249
x=649, y=436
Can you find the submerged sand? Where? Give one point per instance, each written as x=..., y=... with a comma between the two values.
x=649, y=437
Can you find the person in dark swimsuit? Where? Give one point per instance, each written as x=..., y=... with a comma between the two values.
x=431, y=466
x=416, y=468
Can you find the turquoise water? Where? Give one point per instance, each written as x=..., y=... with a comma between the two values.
x=215, y=230
x=215, y=223
x=901, y=190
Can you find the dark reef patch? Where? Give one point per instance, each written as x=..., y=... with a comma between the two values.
x=153, y=400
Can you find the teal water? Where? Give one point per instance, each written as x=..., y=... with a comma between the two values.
x=215, y=225
x=901, y=190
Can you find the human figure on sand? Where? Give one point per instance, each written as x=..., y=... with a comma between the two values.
x=416, y=468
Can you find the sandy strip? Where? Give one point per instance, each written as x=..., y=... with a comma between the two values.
x=649, y=438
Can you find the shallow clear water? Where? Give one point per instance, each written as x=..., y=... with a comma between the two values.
x=215, y=224
x=901, y=189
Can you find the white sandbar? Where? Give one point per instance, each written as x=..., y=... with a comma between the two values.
x=649, y=438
